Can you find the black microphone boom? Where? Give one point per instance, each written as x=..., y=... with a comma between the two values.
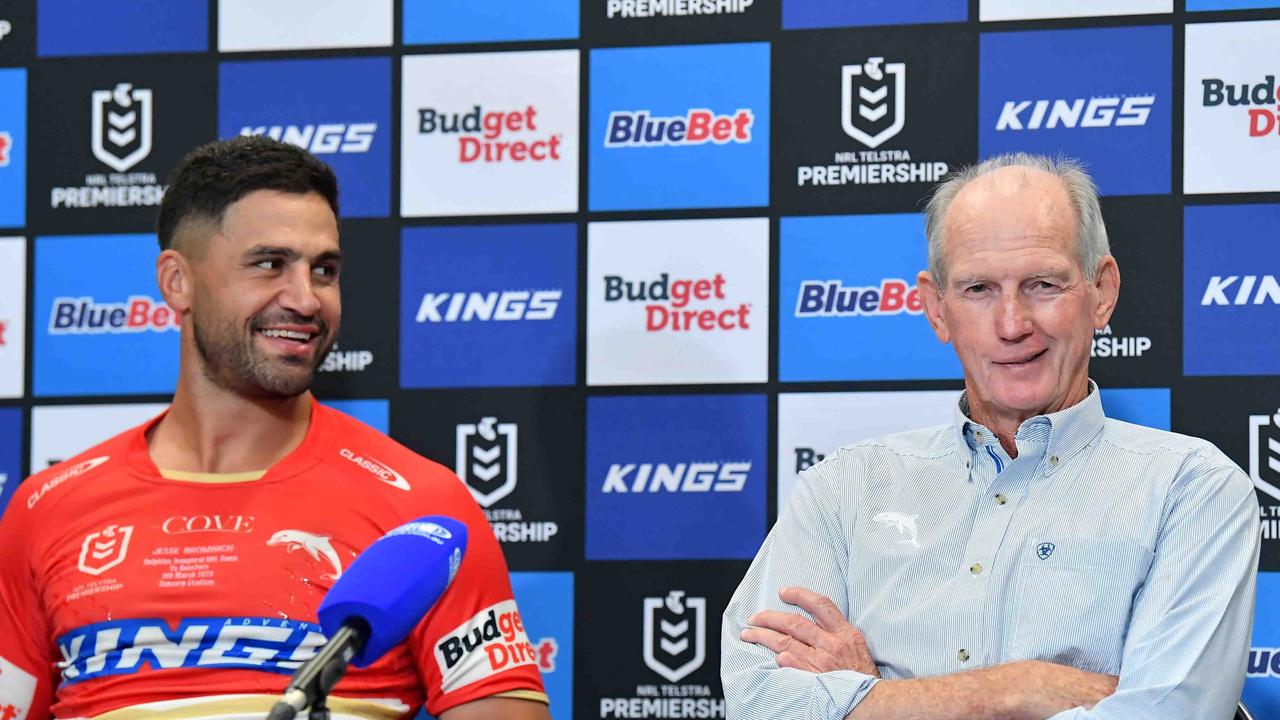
x=317, y=676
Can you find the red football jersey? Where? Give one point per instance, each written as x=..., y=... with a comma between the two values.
x=121, y=588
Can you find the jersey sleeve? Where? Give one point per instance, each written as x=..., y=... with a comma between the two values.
x=473, y=644
x=27, y=677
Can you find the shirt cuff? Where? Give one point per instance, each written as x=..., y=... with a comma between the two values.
x=837, y=693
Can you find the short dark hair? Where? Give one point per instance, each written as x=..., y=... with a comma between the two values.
x=213, y=176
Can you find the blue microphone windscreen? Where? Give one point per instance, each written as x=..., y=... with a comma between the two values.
x=394, y=582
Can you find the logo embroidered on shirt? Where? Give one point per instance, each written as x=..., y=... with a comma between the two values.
x=1044, y=550
x=905, y=524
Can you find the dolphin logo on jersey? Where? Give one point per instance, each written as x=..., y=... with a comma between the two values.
x=906, y=525
x=315, y=545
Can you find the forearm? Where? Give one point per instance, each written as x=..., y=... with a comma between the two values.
x=1023, y=690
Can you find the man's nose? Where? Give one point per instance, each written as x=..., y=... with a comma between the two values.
x=1013, y=317
x=299, y=293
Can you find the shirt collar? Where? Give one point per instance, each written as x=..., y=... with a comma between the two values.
x=1063, y=433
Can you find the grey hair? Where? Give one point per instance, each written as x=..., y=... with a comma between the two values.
x=1091, y=233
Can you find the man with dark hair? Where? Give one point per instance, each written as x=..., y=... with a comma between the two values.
x=156, y=574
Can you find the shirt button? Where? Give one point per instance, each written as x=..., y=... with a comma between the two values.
x=1053, y=459
x=963, y=655
x=976, y=568
x=1001, y=499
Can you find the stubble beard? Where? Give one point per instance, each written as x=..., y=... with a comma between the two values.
x=230, y=361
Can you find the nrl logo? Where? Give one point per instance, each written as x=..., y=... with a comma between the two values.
x=873, y=82
x=485, y=459
x=104, y=549
x=121, y=126
x=678, y=647
x=1264, y=453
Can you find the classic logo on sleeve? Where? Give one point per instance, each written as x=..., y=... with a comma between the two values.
x=491, y=642
x=17, y=690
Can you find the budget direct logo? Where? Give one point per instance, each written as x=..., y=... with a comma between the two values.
x=1232, y=108
x=489, y=133
x=1230, y=290
x=294, y=101
x=849, y=308
x=470, y=294
x=101, y=327
x=1101, y=95
x=681, y=301
x=702, y=142
x=675, y=477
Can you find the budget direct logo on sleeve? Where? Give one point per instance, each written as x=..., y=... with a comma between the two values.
x=678, y=301
x=489, y=133
x=675, y=477
x=13, y=147
x=699, y=142
x=1232, y=107
x=339, y=110
x=1101, y=95
x=101, y=327
x=488, y=306
x=1231, y=290
x=848, y=305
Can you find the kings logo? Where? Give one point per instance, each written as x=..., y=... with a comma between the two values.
x=121, y=126
x=1264, y=453
x=105, y=549
x=485, y=459
x=675, y=629
x=873, y=100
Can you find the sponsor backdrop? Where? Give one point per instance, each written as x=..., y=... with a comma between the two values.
x=629, y=266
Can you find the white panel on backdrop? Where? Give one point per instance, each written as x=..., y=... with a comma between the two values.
x=678, y=301
x=489, y=133
x=1231, y=138
x=13, y=294
x=59, y=432
x=813, y=425
x=1028, y=9
x=303, y=24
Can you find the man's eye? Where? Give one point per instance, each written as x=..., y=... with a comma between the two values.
x=976, y=288
x=271, y=264
x=325, y=270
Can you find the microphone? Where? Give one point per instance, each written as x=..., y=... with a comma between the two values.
x=376, y=603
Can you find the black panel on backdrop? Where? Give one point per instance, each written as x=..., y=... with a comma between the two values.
x=365, y=362
x=646, y=21
x=868, y=120
x=520, y=454
x=653, y=633
x=1142, y=344
x=107, y=135
x=17, y=32
x=1242, y=417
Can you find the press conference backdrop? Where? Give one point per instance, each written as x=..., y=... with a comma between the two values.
x=630, y=265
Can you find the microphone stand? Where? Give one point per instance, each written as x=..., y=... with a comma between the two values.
x=313, y=681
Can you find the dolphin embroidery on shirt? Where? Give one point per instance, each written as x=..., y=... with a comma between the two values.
x=906, y=524
x=315, y=545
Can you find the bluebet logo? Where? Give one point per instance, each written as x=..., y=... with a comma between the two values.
x=484, y=306
x=675, y=477
x=698, y=127
x=831, y=298
x=84, y=315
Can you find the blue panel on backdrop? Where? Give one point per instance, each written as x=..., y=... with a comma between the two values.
x=488, y=306
x=13, y=147
x=1262, y=674
x=1230, y=291
x=848, y=308
x=546, y=607
x=466, y=21
x=10, y=454
x=1230, y=4
x=1141, y=406
x=340, y=110
x=374, y=413
x=675, y=478
x=699, y=142
x=120, y=27
x=1104, y=96
x=101, y=327
x=842, y=13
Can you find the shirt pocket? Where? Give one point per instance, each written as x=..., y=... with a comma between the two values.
x=1072, y=601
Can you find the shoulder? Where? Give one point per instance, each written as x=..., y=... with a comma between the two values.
x=46, y=487
x=1198, y=460
x=361, y=450
x=855, y=462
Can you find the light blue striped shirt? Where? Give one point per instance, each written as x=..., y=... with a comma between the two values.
x=1111, y=547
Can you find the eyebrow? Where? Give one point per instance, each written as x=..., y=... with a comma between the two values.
x=273, y=251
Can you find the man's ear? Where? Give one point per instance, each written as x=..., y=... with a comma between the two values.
x=931, y=298
x=1108, y=287
x=176, y=281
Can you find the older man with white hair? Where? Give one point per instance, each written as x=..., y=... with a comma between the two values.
x=1033, y=558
